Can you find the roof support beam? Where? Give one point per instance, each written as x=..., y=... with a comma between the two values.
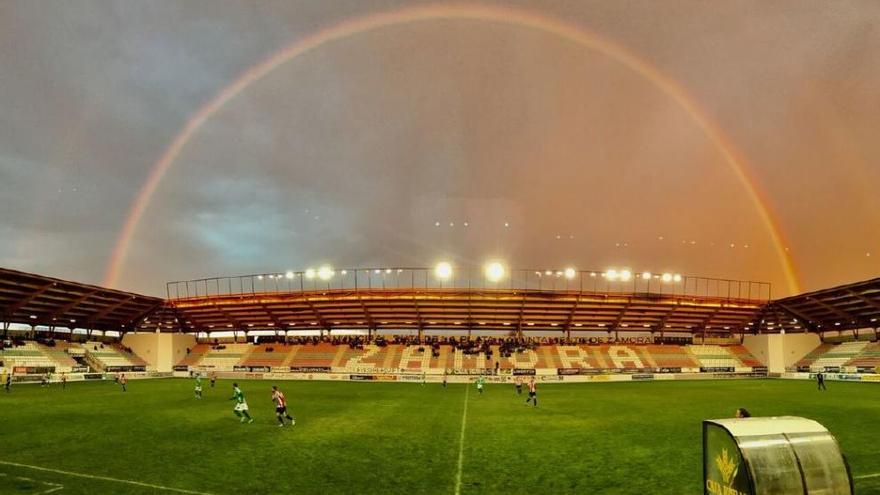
x=666, y=317
x=76, y=302
x=870, y=302
x=829, y=307
x=318, y=316
x=620, y=316
x=370, y=324
x=140, y=317
x=571, y=313
x=91, y=320
x=801, y=317
x=419, y=322
x=28, y=298
x=272, y=316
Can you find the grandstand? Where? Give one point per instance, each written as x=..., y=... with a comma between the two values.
x=33, y=355
x=714, y=328
x=868, y=357
x=264, y=355
x=713, y=356
x=111, y=357
x=439, y=358
x=836, y=357
x=224, y=357
x=671, y=356
x=58, y=353
x=811, y=357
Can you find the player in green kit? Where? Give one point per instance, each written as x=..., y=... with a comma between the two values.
x=198, y=386
x=241, y=407
x=480, y=382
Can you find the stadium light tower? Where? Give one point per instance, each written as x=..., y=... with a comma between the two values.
x=570, y=273
x=495, y=271
x=289, y=274
x=443, y=270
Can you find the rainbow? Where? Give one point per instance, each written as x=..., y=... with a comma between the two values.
x=507, y=16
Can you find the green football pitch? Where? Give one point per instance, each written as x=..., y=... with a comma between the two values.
x=387, y=438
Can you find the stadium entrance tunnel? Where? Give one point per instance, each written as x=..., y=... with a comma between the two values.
x=772, y=456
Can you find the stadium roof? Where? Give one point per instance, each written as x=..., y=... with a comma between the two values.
x=456, y=308
x=845, y=307
x=37, y=300
x=32, y=299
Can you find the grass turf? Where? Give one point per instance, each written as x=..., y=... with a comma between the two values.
x=400, y=438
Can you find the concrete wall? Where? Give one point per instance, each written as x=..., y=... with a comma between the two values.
x=798, y=345
x=161, y=351
x=174, y=347
x=145, y=345
x=779, y=351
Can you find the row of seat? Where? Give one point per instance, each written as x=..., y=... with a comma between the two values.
x=847, y=354
x=112, y=355
x=33, y=354
x=395, y=356
x=59, y=357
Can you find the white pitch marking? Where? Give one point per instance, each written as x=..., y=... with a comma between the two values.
x=50, y=490
x=467, y=388
x=55, y=486
x=103, y=478
x=865, y=476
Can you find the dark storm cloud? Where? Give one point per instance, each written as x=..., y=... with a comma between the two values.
x=350, y=154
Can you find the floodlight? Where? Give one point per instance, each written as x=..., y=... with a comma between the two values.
x=494, y=271
x=570, y=273
x=310, y=273
x=443, y=270
x=325, y=273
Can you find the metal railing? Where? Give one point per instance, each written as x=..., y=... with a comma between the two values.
x=583, y=281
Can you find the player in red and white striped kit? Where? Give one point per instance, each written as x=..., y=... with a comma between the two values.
x=281, y=407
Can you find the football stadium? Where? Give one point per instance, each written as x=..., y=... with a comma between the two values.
x=407, y=247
